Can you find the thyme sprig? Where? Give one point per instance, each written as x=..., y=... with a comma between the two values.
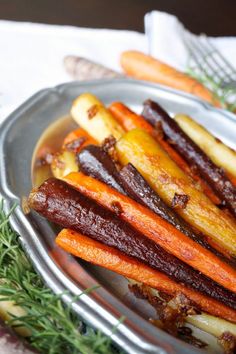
x=53, y=327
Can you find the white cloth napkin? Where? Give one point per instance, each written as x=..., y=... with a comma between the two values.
x=165, y=40
x=32, y=56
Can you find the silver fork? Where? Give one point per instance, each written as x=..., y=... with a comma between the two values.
x=209, y=61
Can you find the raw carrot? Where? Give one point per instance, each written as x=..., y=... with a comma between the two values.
x=130, y=120
x=156, y=228
x=76, y=136
x=112, y=259
x=145, y=67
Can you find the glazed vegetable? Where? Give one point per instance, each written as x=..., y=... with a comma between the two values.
x=129, y=120
x=67, y=207
x=164, y=176
x=138, y=189
x=107, y=257
x=208, y=323
x=95, y=162
x=156, y=229
x=214, y=175
x=218, y=152
x=145, y=67
x=77, y=139
x=92, y=115
x=211, y=324
x=63, y=163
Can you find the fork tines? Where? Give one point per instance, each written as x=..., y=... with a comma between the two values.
x=208, y=59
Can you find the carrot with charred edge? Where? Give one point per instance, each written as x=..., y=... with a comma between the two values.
x=167, y=179
x=157, y=229
x=95, y=162
x=221, y=154
x=112, y=259
x=130, y=120
x=145, y=67
x=77, y=139
x=137, y=188
x=62, y=204
x=195, y=156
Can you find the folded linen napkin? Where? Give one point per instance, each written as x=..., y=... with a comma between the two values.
x=165, y=35
x=32, y=56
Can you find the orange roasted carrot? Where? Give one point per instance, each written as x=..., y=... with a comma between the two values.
x=112, y=259
x=156, y=228
x=130, y=120
x=79, y=135
x=145, y=67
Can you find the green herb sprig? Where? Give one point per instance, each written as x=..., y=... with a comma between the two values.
x=53, y=327
x=225, y=95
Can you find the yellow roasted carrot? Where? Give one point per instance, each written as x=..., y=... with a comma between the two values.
x=140, y=149
x=218, y=152
x=91, y=114
x=63, y=163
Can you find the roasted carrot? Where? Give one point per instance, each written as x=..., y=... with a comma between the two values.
x=157, y=229
x=137, y=188
x=63, y=205
x=112, y=259
x=222, y=155
x=77, y=139
x=130, y=120
x=91, y=114
x=167, y=179
x=145, y=67
x=95, y=162
x=193, y=154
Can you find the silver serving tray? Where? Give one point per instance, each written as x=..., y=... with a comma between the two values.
x=103, y=307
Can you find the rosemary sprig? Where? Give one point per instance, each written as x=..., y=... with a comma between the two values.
x=53, y=327
x=225, y=95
